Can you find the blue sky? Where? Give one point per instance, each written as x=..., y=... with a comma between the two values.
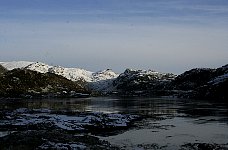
x=163, y=35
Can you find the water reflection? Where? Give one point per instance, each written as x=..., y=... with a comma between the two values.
x=143, y=106
x=193, y=121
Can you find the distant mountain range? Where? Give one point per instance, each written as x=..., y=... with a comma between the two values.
x=196, y=83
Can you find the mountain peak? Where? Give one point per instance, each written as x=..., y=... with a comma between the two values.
x=15, y=64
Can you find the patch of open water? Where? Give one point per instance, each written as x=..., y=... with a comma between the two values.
x=169, y=122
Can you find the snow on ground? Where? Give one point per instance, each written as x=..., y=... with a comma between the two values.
x=15, y=64
x=62, y=146
x=99, y=80
x=102, y=80
x=150, y=74
x=219, y=79
x=73, y=74
x=39, y=67
x=104, y=75
x=77, y=122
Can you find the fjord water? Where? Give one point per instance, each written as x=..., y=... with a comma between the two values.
x=169, y=122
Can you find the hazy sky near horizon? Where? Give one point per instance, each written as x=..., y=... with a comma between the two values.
x=163, y=35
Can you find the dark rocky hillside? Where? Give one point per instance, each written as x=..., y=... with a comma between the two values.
x=143, y=83
x=193, y=78
x=199, y=83
x=2, y=70
x=203, y=83
x=27, y=83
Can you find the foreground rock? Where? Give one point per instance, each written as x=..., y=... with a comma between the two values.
x=43, y=119
x=52, y=139
x=206, y=146
x=26, y=83
x=46, y=129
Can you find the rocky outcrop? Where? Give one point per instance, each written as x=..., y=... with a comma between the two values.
x=196, y=83
x=100, y=81
x=60, y=129
x=27, y=83
x=15, y=64
x=193, y=78
x=2, y=70
x=199, y=83
x=143, y=83
x=203, y=83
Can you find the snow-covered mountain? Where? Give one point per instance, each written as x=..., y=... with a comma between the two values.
x=100, y=80
x=39, y=67
x=203, y=83
x=15, y=64
x=195, y=83
x=143, y=82
x=73, y=74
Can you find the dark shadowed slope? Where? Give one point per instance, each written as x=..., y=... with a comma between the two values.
x=27, y=83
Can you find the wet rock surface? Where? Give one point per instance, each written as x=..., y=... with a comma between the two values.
x=112, y=123
x=51, y=139
x=204, y=146
x=44, y=119
x=46, y=129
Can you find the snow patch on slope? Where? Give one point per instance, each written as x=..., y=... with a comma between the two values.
x=15, y=64
x=97, y=81
x=76, y=122
x=219, y=79
x=72, y=74
x=150, y=74
x=101, y=80
x=104, y=75
x=39, y=67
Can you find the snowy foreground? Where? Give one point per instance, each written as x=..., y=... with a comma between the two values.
x=133, y=123
x=60, y=129
x=77, y=122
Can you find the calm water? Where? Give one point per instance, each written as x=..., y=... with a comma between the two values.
x=170, y=123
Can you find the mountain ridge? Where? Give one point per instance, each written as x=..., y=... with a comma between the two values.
x=194, y=83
